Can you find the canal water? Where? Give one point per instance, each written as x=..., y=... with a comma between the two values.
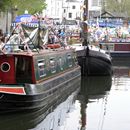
x=103, y=103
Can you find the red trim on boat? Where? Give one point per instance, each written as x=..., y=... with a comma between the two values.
x=7, y=77
x=53, y=46
x=12, y=90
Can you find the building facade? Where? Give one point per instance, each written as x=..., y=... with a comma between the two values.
x=72, y=9
x=95, y=8
x=60, y=9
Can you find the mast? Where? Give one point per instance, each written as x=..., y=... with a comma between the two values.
x=83, y=99
x=85, y=19
x=39, y=28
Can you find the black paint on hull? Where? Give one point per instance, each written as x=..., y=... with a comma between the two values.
x=94, y=66
x=94, y=63
x=42, y=95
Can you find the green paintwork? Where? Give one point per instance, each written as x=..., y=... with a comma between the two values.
x=62, y=60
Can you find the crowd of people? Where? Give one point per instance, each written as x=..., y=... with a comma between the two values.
x=115, y=34
x=62, y=34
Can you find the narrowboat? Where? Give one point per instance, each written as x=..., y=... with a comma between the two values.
x=115, y=41
x=34, y=77
x=116, y=49
x=93, y=60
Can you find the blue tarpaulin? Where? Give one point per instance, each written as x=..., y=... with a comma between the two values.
x=27, y=18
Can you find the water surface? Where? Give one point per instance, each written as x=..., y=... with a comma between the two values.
x=102, y=104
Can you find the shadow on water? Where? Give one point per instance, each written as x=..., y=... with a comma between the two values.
x=53, y=117
x=46, y=117
x=121, y=67
x=92, y=88
x=95, y=86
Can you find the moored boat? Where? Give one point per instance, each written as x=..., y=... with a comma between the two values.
x=32, y=77
x=93, y=60
x=116, y=49
x=114, y=40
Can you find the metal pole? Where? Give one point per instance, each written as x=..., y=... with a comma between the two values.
x=85, y=18
x=7, y=22
x=85, y=59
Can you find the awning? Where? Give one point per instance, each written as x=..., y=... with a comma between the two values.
x=27, y=18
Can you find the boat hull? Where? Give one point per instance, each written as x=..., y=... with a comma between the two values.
x=117, y=54
x=31, y=120
x=94, y=63
x=41, y=95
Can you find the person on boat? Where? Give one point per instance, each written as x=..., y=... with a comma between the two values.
x=62, y=35
x=51, y=39
x=59, y=31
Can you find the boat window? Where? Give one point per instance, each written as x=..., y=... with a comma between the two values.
x=41, y=68
x=5, y=67
x=69, y=60
x=75, y=59
x=23, y=70
x=61, y=63
x=52, y=65
x=109, y=47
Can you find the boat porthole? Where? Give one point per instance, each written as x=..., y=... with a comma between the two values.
x=5, y=67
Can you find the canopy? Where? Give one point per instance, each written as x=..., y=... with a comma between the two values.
x=27, y=18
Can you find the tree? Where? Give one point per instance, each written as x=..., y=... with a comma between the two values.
x=32, y=6
x=120, y=6
x=4, y=4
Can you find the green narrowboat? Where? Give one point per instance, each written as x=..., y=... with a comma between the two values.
x=31, y=77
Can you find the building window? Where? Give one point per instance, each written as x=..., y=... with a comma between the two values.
x=41, y=68
x=100, y=3
x=73, y=7
x=94, y=3
x=64, y=10
x=70, y=15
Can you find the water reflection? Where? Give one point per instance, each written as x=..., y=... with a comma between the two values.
x=67, y=114
x=102, y=104
x=121, y=69
x=106, y=106
x=44, y=119
x=118, y=105
x=92, y=89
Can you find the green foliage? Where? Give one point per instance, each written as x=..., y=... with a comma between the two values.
x=4, y=5
x=32, y=6
x=120, y=6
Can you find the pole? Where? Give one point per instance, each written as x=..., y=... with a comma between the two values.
x=85, y=59
x=85, y=18
x=39, y=29
x=7, y=22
